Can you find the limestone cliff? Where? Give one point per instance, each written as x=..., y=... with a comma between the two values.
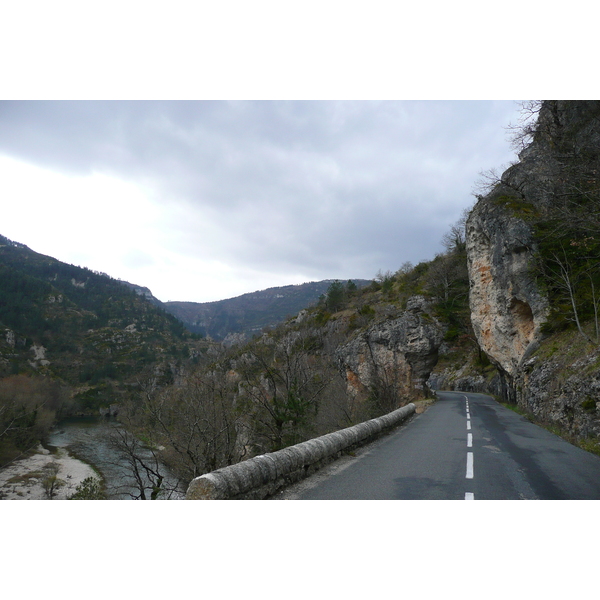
x=510, y=302
x=507, y=308
x=393, y=359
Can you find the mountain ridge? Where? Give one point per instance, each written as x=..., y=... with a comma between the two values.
x=250, y=313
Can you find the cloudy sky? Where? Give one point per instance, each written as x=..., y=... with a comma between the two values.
x=204, y=200
x=207, y=200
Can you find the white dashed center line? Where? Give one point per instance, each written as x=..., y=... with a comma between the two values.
x=469, y=474
x=469, y=465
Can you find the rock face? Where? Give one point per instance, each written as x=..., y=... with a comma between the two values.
x=565, y=130
x=398, y=355
x=507, y=309
x=563, y=389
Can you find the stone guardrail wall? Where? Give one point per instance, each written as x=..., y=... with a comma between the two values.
x=264, y=475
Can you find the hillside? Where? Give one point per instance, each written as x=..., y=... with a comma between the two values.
x=81, y=328
x=250, y=313
x=78, y=342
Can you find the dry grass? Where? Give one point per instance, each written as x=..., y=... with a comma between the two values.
x=422, y=405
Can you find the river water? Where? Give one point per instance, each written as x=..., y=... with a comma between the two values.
x=90, y=440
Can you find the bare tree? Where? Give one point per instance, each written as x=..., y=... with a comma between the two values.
x=486, y=182
x=570, y=279
x=447, y=278
x=150, y=479
x=385, y=279
x=283, y=384
x=455, y=240
x=522, y=132
x=491, y=178
x=196, y=421
x=405, y=268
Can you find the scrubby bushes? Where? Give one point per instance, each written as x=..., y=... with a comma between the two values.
x=28, y=409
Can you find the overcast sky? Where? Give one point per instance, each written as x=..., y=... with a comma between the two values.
x=205, y=200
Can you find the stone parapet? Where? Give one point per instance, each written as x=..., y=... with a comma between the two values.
x=262, y=476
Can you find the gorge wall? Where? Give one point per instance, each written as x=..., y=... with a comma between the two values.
x=507, y=307
x=555, y=377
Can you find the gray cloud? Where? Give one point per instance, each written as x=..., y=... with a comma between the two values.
x=314, y=189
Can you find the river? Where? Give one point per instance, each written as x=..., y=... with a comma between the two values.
x=89, y=439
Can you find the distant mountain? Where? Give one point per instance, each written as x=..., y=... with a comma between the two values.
x=249, y=313
x=95, y=334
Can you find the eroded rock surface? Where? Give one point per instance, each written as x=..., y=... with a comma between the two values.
x=398, y=354
x=507, y=308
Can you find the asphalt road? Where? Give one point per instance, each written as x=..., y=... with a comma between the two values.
x=464, y=447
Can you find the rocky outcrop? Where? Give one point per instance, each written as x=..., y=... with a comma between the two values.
x=507, y=308
x=461, y=377
x=398, y=354
x=564, y=388
x=109, y=411
x=39, y=356
x=567, y=134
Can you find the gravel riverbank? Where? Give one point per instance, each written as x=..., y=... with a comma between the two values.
x=23, y=479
